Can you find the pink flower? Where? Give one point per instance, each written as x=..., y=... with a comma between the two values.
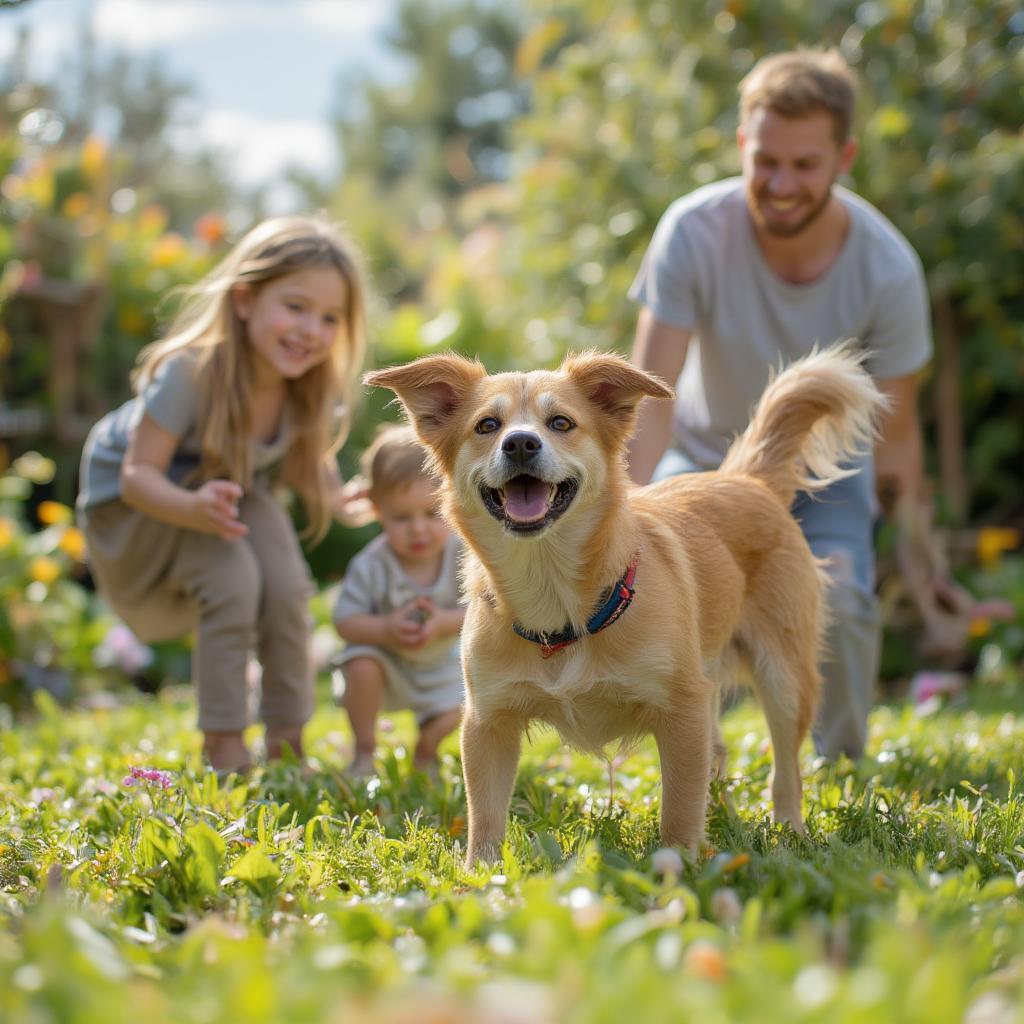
x=926, y=685
x=162, y=779
x=121, y=648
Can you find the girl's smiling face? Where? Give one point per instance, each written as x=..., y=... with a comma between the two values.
x=293, y=321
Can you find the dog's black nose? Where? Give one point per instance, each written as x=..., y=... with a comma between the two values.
x=521, y=446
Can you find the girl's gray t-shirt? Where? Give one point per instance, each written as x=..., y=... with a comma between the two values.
x=704, y=272
x=171, y=399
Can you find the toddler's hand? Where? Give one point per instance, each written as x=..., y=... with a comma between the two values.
x=420, y=609
x=430, y=618
x=215, y=509
x=404, y=628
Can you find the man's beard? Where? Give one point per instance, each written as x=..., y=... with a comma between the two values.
x=784, y=230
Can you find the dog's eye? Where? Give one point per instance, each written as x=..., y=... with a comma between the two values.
x=488, y=425
x=561, y=423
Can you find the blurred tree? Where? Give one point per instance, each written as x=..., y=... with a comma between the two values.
x=88, y=253
x=137, y=107
x=413, y=149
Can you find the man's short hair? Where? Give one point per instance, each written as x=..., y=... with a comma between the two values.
x=802, y=82
x=394, y=460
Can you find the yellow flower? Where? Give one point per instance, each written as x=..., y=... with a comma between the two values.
x=39, y=187
x=131, y=320
x=94, y=156
x=979, y=627
x=6, y=531
x=72, y=543
x=77, y=205
x=152, y=219
x=168, y=250
x=52, y=512
x=44, y=570
x=5, y=678
x=993, y=541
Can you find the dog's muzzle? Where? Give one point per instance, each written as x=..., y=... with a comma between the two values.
x=526, y=504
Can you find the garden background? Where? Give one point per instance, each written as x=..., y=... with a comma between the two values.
x=503, y=193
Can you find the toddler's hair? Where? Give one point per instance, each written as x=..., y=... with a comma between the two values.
x=319, y=402
x=394, y=460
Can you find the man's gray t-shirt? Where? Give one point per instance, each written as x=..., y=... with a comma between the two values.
x=704, y=272
x=171, y=400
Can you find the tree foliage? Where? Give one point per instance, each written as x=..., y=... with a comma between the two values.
x=638, y=106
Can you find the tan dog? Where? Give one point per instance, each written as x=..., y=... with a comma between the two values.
x=611, y=611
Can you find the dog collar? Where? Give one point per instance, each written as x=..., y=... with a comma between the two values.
x=613, y=603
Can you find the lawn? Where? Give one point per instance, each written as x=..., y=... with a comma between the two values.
x=297, y=896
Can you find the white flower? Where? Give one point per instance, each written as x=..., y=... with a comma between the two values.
x=668, y=862
x=726, y=905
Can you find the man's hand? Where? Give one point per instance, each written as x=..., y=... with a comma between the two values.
x=946, y=609
x=215, y=509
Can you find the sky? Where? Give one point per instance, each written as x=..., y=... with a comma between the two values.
x=264, y=72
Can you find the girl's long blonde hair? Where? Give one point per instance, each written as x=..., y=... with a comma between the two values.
x=319, y=402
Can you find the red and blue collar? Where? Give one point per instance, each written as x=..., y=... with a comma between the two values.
x=613, y=603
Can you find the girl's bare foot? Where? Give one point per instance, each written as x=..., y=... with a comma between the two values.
x=362, y=767
x=278, y=737
x=226, y=752
x=429, y=766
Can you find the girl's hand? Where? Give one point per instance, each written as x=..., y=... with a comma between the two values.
x=215, y=509
x=352, y=505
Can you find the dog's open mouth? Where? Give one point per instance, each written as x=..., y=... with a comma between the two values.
x=526, y=504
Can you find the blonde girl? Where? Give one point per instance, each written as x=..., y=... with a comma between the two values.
x=250, y=390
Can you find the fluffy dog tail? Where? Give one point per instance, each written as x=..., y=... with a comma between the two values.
x=814, y=416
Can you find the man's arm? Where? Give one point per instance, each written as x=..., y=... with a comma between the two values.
x=658, y=348
x=899, y=453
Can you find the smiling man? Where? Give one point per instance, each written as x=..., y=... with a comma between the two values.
x=750, y=273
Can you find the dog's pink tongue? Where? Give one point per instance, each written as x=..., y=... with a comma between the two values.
x=526, y=498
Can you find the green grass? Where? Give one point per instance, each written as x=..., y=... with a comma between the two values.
x=295, y=898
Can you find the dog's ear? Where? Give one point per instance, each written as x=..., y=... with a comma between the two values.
x=612, y=384
x=431, y=389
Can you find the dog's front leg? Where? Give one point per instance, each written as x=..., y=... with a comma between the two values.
x=684, y=743
x=490, y=756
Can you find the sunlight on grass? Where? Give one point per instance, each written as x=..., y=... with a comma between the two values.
x=301, y=895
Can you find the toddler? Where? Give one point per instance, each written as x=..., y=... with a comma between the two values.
x=398, y=610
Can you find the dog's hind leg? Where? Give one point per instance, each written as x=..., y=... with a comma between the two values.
x=683, y=735
x=787, y=683
x=716, y=669
x=490, y=756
